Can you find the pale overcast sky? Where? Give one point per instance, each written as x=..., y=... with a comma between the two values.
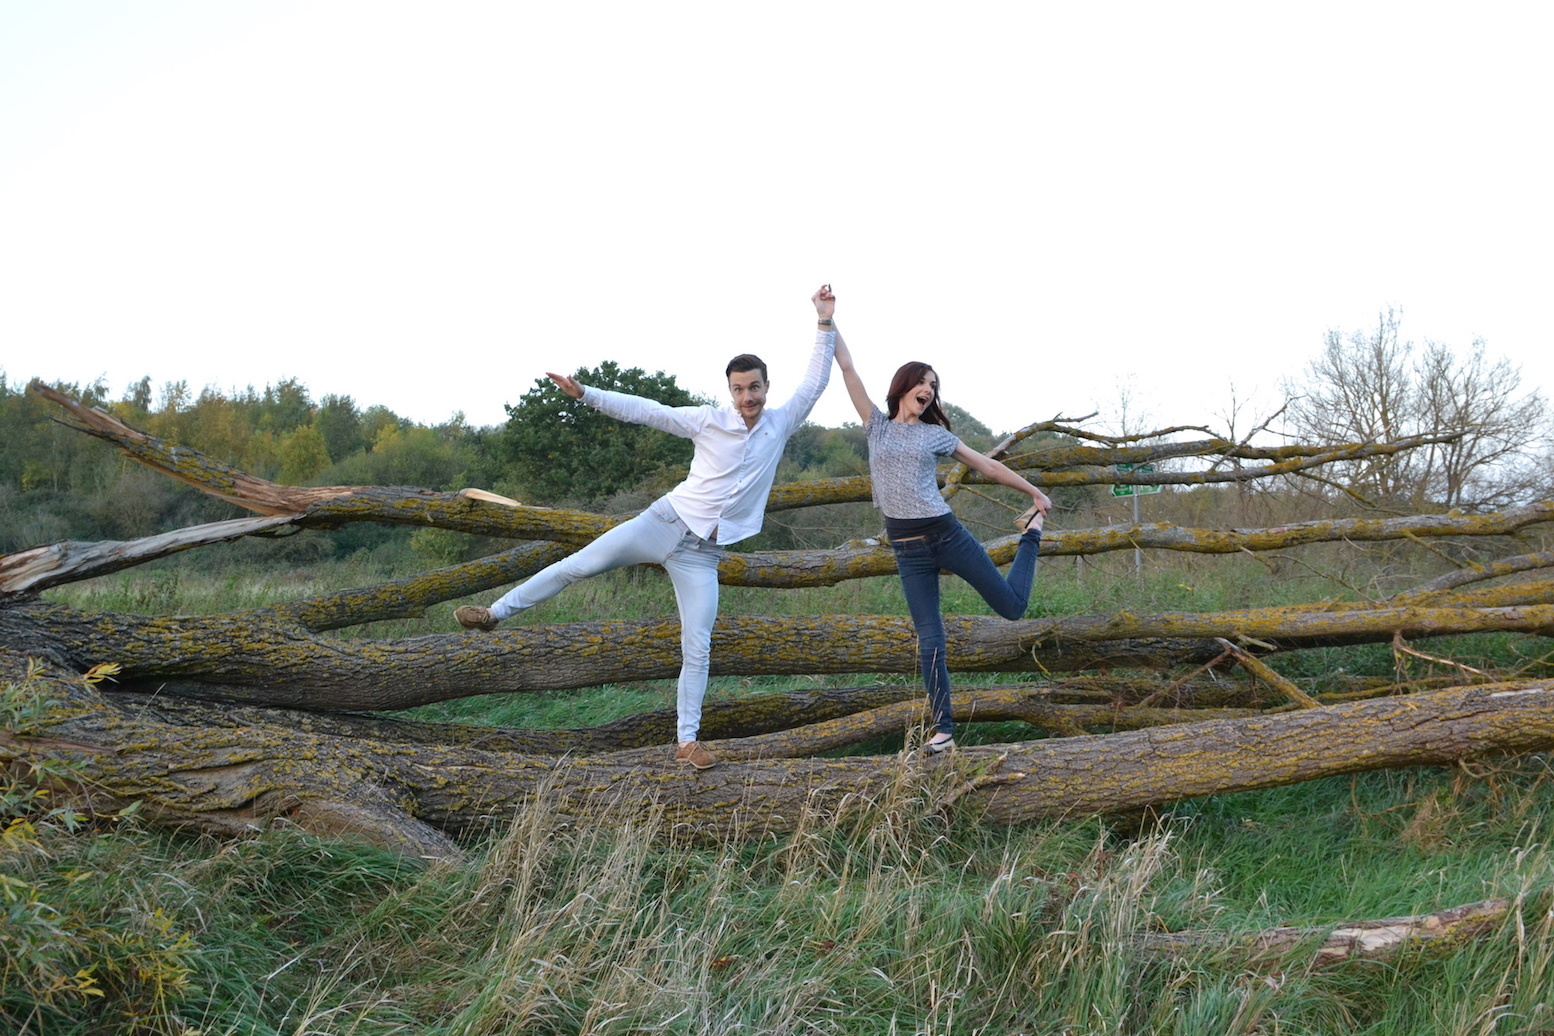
x=428, y=205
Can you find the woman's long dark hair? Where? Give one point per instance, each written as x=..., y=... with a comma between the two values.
x=905, y=381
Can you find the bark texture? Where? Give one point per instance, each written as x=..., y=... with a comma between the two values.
x=230, y=776
x=249, y=657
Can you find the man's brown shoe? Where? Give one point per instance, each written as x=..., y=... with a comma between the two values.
x=693, y=753
x=474, y=617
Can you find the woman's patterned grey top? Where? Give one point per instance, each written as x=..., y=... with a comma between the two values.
x=903, y=460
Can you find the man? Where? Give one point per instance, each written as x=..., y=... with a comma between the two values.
x=721, y=501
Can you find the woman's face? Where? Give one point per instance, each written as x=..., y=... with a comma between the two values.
x=920, y=397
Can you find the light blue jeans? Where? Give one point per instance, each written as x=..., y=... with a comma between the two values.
x=657, y=536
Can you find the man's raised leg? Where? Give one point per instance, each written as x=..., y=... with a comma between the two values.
x=646, y=539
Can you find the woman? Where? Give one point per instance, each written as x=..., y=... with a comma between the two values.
x=905, y=442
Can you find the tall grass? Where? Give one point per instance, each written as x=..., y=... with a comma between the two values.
x=896, y=920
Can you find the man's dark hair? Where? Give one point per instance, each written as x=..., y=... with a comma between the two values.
x=745, y=362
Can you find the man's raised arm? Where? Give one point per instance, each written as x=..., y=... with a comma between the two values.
x=818, y=373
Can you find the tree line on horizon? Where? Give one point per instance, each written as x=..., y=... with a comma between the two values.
x=56, y=484
x=1367, y=386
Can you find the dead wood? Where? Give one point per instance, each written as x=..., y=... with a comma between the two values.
x=1252, y=664
x=30, y=571
x=252, y=659
x=1100, y=463
x=785, y=725
x=40, y=568
x=1032, y=706
x=1476, y=573
x=1352, y=940
x=227, y=777
x=246, y=657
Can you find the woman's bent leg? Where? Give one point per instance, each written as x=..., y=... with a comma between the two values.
x=1008, y=596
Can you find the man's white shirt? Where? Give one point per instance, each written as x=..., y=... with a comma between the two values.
x=732, y=469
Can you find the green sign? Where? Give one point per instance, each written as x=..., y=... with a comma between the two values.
x=1137, y=469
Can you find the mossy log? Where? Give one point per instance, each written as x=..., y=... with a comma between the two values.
x=1475, y=572
x=1062, y=706
x=199, y=769
x=248, y=657
x=1045, y=463
x=784, y=726
x=40, y=568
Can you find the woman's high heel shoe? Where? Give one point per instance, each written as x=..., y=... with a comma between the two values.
x=1031, y=515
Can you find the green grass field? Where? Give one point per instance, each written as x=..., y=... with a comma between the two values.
x=900, y=921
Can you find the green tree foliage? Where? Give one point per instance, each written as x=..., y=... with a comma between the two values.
x=560, y=449
x=219, y=426
x=303, y=455
x=57, y=484
x=375, y=421
x=411, y=455
x=138, y=397
x=48, y=473
x=964, y=424
x=339, y=422
x=816, y=452
x=285, y=406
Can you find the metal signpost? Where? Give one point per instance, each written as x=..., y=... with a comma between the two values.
x=1135, y=492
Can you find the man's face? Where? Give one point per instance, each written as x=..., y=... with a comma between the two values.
x=748, y=390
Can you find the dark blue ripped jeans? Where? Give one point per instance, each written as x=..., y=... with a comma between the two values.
x=920, y=559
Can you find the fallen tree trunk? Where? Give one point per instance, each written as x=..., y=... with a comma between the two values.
x=247, y=657
x=1128, y=771
x=1099, y=464
x=1045, y=467
x=231, y=777
x=1477, y=573
x=791, y=724
x=40, y=568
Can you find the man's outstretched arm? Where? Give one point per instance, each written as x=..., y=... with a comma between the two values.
x=683, y=421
